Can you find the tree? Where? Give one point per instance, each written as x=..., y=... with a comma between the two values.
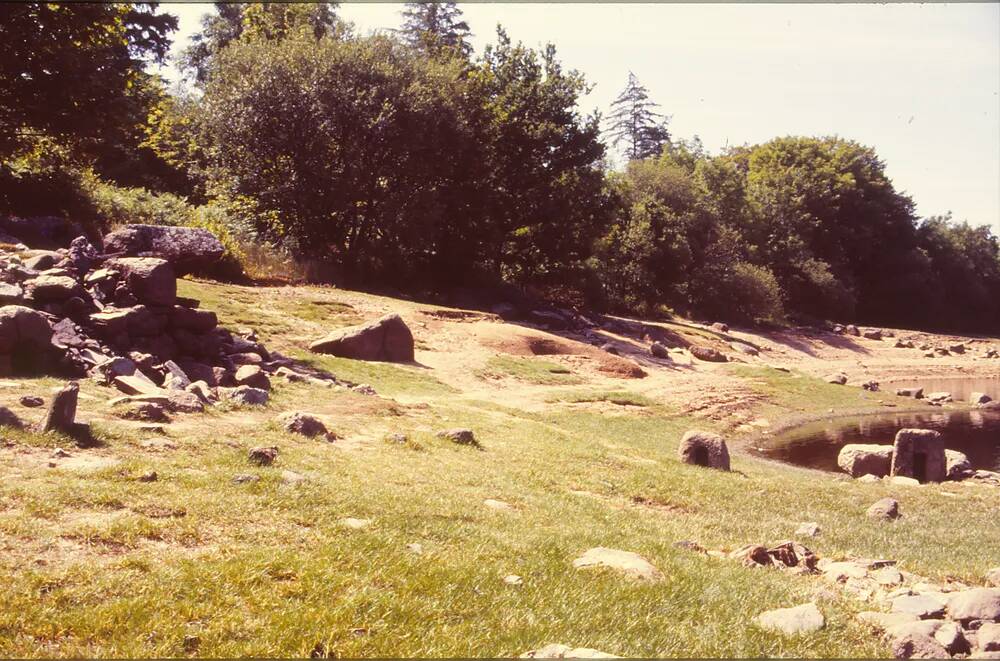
x=634, y=122
x=263, y=21
x=67, y=69
x=436, y=28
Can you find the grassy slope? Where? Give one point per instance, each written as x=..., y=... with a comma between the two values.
x=266, y=569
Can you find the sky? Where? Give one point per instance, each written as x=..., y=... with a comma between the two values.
x=918, y=82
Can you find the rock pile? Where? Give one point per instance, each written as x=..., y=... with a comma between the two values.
x=115, y=316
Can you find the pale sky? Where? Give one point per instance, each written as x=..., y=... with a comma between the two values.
x=919, y=83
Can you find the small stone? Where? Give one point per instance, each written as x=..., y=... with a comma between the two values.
x=513, y=579
x=810, y=529
x=885, y=508
x=415, y=548
x=31, y=401
x=355, y=524
x=903, y=481
x=839, y=572
x=630, y=564
x=263, y=456
x=837, y=379
x=191, y=644
x=297, y=422
x=658, y=350
x=498, y=505
x=291, y=477
x=244, y=478
x=59, y=453
x=253, y=376
x=791, y=621
x=151, y=476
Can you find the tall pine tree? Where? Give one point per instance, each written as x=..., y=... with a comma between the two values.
x=635, y=123
x=436, y=27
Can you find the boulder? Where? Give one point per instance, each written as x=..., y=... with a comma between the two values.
x=923, y=606
x=150, y=280
x=939, y=397
x=387, y=339
x=263, y=456
x=701, y=448
x=137, y=384
x=957, y=465
x=253, y=376
x=872, y=334
x=917, y=645
x=919, y=453
x=975, y=604
x=857, y=459
x=47, y=288
x=188, y=249
x=977, y=398
x=196, y=321
x=720, y=327
x=988, y=637
x=631, y=564
x=806, y=618
x=9, y=419
x=707, y=354
x=851, y=329
x=25, y=337
x=244, y=395
x=460, y=436
x=915, y=393
x=658, y=350
x=838, y=379
x=61, y=415
x=885, y=508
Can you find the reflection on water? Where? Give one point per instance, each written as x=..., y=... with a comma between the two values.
x=974, y=432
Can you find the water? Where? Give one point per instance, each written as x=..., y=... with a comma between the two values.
x=973, y=432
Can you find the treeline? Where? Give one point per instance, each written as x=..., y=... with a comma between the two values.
x=403, y=159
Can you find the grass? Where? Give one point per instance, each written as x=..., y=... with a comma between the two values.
x=529, y=370
x=97, y=563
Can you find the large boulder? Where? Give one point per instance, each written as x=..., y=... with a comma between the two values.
x=151, y=280
x=188, y=249
x=701, y=448
x=708, y=354
x=24, y=339
x=857, y=459
x=386, y=339
x=919, y=453
x=975, y=604
x=957, y=465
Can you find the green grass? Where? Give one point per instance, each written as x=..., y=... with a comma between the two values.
x=97, y=563
x=530, y=370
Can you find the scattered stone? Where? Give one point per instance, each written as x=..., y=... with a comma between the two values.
x=915, y=393
x=857, y=459
x=558, y=651
x=244, y=478
x=872, y=334
x=837, y=379
x=851, y=329
x=498, y=505
x=885, y=508
x=720, y=327
x=951, y=637
x=137, y=384
x=513, y=579
x=977, y=398
x=244, y=395
x=902, y=481
x=707, y=354
x=355, y=524
x=297, y=422
x=386, y=339
x=460, y=436
x=868, y=478
x=263, y=456
x=689, y=545
x=810, y=529
x=31, y=401
x=658, y=350
x=9, y=419
x=151, y=476
x=631, y=564
x=792, y=621
x=152, y=281
x=701, y=448
x=144, y=411
x=939, y=397
x=919, y=453
x=415, y=548
x=841, y=572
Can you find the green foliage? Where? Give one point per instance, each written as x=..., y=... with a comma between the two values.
x=635, y=123
x=436, y=28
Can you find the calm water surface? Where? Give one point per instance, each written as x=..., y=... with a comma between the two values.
x=974, y=432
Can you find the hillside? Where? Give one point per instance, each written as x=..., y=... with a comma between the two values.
x=390, y=540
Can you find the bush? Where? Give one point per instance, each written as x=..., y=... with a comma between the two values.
x=755, y=293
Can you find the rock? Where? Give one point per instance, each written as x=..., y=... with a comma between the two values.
x=43, y=260
x=355, y=524
x=957, y=465
x=244, y=478
x=11, y=294
x=263, y=456
x=196, y=321
x=137, y=384
x=62, y=411
x=886, y=621
x=868, y=478
x=888, y=576
x=302, y=423
x=499, y=505
x=914, y=645
x=291, y=477
x=246, y=358
x=415, y=548
x=244, y=395
x=720, y=327
x=744, y=348
x=701, y=448
x=151, y=476
x=872, y=334
x=25, y=337
x=180, y=401
x=857, y=459
x=840, y=572
x=253, y=376
x=919, y=453
x=810, y=529
x=988, y=637
x=851, y=329
x=387, y=339
x=189, y=249
x=939, y=397
x=707, y=354
x=513, y=579
x=558, y=651
x=461, y=436
x=923, y=606
x=975, y=604
x=902, y=481
x=658, y=350
x=612, y=349
x=51, y=288
x=176, y=378
x=150, y=280
x=957, y=347
x=993, y=577
x=886, y=508
x=837, y=379
x=31, y=401
x=979, y=398
x=630, y=564
x=951, y=637
x=792, y=621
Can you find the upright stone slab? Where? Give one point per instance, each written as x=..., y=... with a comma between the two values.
x=703, y=448
x=919, y=453
x=62, y=411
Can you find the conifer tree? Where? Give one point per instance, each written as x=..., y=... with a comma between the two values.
x=436, y=27
x=635, y=122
